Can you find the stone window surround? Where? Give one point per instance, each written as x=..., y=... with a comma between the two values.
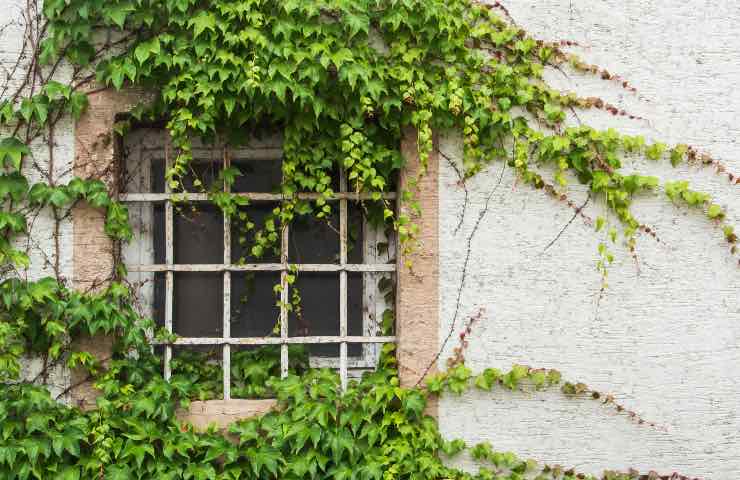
x=94, y=258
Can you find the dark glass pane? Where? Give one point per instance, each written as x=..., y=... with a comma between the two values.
x=198, y=234
x=243, y=228
x=257, y=175
x=354, y=307
x=198, y=304
x=159, y=293
x=355, y=350
x=314, y=240
x=319, y=309
x=202, y=174
x=158, y=233
x=254, y=312
x=330, y=350
x=354, y=312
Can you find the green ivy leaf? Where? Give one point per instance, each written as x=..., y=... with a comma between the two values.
x=148, y=49
x=118, y=472
x=600, y=181
x=77, y=104
x=201, y=22
x=487, y=379
x=715, y=212
x=68, y=473
x=414, y=403
x=14, y=186
x=12, y=151
x=266, y=459
x=356, y=23
x=118, y=13
x=371, y=471
x=26, y=109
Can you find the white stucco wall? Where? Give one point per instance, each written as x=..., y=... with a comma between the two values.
x=665, y=338
x=39, y=243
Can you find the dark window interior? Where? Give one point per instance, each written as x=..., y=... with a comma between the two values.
x=243, y=239
x=315, y=240
x=198, y=234
x=197, y=305
x=198, y=239
x=254, y=312
x=320, y=310
x=256, y=176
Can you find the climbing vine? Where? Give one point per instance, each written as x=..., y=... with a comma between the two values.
x=342, y=80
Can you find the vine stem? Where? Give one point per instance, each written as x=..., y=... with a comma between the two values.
x=461, y=183
x=481, y=215
x=565, y=227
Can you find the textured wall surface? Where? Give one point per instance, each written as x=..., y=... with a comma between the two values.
x=416, y=316
x=40, y=243
x=665, y=337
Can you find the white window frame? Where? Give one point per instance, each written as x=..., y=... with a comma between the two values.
x=146, y=145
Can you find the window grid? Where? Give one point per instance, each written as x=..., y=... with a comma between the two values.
x=343, y=339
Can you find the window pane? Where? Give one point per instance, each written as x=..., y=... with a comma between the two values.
x=257, y=175
x=243, y=228
x=198, y=304
x=355, y=311
x=314, y=240
x=160, y=280
x=198, y=234
x=144, y=171
x=254, y=312
x=358, y=365
x=355, y=233
x=319, y=309
x=202, y=173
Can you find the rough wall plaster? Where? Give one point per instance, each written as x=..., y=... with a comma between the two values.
x=40, y=240
x=665, y=339
x=416, y=315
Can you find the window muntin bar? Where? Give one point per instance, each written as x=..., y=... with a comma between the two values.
x=226, y=361
x=169, y=223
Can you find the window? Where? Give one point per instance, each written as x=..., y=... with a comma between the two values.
x=194, y=274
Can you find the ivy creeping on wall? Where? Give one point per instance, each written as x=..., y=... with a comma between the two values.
x=342, y=80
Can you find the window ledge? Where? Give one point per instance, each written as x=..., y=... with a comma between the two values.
x=223, y=413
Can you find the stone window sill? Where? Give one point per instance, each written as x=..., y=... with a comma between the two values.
x=223, y=413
